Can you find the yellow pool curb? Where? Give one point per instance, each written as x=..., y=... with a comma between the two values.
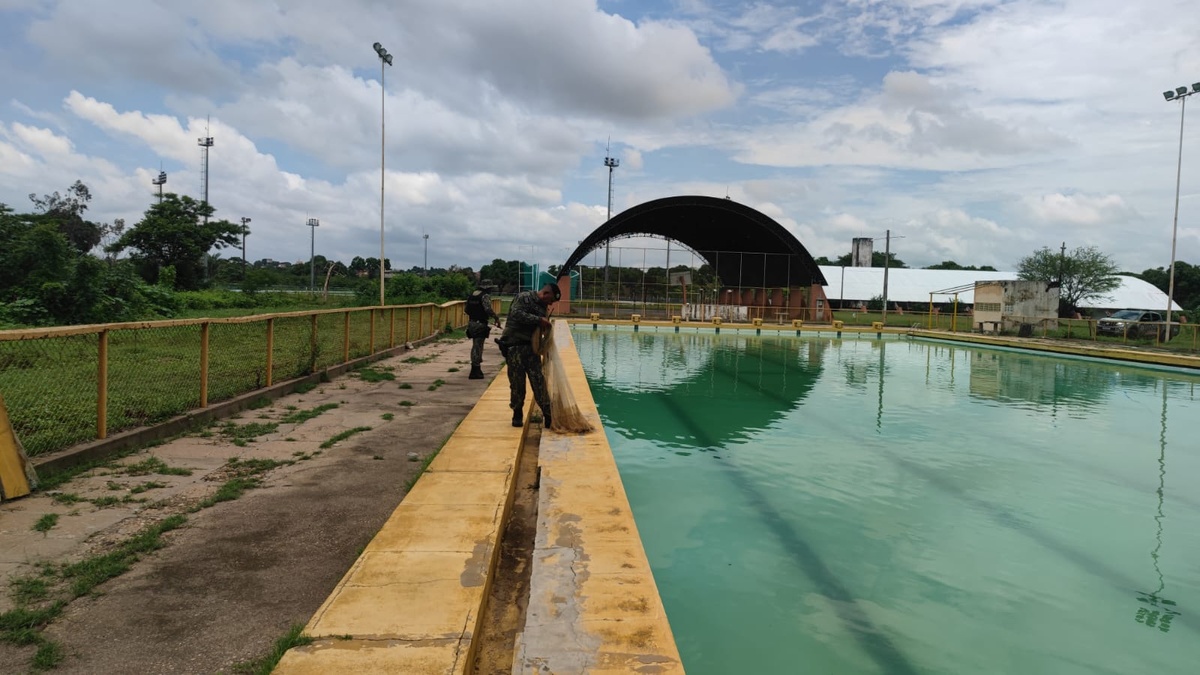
x=1072, y=349
x=412, y=601
x=594, y=606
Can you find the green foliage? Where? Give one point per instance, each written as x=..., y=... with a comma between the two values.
x=265, y=665
x=951, y=265
x=406, y=288
x=1187, y=284
x=1084, y=273
x=172, y=233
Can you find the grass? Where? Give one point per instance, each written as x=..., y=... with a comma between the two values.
x=28, y=590
x=370, y=374
x=88, y=573
x=299, y=416
x=405, y=385
x=46, y=523
x=49, y=654
x=418, y=359
x=343, y=436
x=249, y=432
x=231, y=490
x=436, y=383
x=453, y=369
x=154, y=465
x=407, y=404
x=388, y=417
x=305, y=387
x=154, y=372
x=263, y=666
x=148, y=485
x=68, y=498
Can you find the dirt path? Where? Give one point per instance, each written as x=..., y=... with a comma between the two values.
x=238, y=574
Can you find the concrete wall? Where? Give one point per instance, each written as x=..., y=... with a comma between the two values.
x=1018, y=302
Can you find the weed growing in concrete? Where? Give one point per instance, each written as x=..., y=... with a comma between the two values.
x=28, y=590
x=156, y=466
x=388, y=417
x=405, y=385
x=263, y=666
x=436, y=383
x=304, y=415
x=49, y=654
x=231, y=490
x=260, y=402
x=148, y=485
x=376, y=457
x=305, y=387
x=453, y=369
x=369, y=374
x=291, y=408
x=289, y=439
x=407, y=404
x=88, y=573
x=46, y=523
x=418, y=359
x=247, y=433
x=68, y=498
x=343, y=436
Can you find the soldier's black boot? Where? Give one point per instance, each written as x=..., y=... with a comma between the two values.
x=546, y=418
x=518, y=418
x=476, y=373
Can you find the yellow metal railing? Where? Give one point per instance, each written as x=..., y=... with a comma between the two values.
x=75, y=384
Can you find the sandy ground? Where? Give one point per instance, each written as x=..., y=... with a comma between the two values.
x=237, y=575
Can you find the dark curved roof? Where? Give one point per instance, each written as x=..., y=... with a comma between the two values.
x=717, y=229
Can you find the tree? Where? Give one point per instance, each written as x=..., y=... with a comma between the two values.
x=66, y=211
x=171, y=233
x=951, y=265
x=877, y=258
x=1082, y=274
x=1187, y=283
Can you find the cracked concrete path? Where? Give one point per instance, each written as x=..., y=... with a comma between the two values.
x=237, y=575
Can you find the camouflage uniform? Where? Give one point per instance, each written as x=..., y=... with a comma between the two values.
x=478, y=330
x=524, y=316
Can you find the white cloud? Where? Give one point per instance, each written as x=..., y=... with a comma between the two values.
x=1081, y=209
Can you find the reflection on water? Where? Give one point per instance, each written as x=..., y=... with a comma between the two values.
x=896, y=506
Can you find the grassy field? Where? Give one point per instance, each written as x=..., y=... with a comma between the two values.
x=50, y=385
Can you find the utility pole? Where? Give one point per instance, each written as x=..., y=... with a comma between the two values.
x=245, y=231
x=205, y=143
x=887, y=261
x=426, y=237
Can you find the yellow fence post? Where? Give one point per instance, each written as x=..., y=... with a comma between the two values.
x=408, y=324
x=204, y=365
x=392, y=329
x=102, y=388
x=346, y=338
x=371, y=348
x=270, y=350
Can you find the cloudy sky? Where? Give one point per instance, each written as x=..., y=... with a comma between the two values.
x=978, y=130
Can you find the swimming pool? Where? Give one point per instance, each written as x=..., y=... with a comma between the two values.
x=895, y=506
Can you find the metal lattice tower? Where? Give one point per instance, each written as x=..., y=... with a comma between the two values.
x=611, y=163
x=205, y=143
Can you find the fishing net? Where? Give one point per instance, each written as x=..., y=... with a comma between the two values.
x=566, y=416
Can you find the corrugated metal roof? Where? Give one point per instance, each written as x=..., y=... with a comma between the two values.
x=910, y=285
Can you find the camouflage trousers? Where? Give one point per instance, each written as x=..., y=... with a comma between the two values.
x=478, y=332
x=522, y=363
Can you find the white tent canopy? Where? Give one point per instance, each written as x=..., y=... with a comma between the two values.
x=909, y=285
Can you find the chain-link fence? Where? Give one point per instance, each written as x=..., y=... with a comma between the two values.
x=70, y=385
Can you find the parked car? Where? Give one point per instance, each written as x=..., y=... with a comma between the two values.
x=1134, y=323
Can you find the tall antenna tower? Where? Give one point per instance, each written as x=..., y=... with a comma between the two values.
x=611, y=163
x=205, y=143
x=160, y=181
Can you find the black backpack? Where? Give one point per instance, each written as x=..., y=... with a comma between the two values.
x=475, y=310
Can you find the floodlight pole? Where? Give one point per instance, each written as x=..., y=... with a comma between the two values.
x=426, y=237
x=385, y=59
x=611, y=163
x=887, y=260
x=245, y=231
x=312, y=256
x=1180, y=94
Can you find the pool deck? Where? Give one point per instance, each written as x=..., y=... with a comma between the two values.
x=412, y=602
x=594, y=606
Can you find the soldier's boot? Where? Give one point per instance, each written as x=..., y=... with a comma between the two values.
x=545, y=418
x=518, y=418
x=476, y=373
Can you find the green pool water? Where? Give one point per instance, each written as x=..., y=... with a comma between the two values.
x=816, y=505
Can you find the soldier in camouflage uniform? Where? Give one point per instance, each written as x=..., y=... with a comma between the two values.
x=526, y=314
x=479, y=310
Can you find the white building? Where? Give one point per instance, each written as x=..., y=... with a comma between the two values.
x=851, y=285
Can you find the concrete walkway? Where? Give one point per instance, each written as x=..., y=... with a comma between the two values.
x=237, y=575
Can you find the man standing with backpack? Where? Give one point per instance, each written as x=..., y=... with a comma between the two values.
x=479, y=310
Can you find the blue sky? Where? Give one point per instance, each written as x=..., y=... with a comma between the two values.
x=978, y=130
